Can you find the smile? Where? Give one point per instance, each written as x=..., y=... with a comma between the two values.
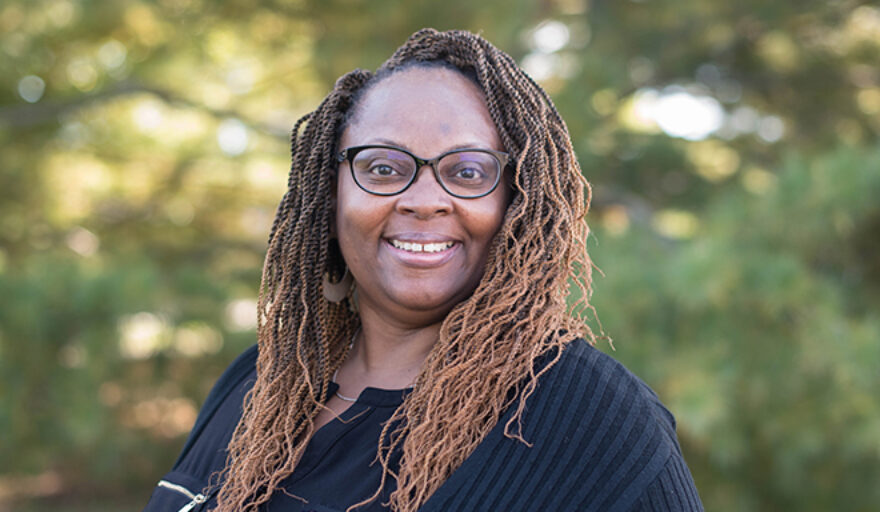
x=417, y=247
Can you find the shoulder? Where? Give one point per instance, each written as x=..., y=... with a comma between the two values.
x=241, y=367
x=583, y=372
x=204, y=453
x=230, y=382
x=623, y=437
x=596, y=439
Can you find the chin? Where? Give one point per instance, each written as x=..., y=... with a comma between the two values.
x=419, y=302
x=440, y=303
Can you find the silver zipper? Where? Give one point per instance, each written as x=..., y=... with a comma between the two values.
x=195, y=499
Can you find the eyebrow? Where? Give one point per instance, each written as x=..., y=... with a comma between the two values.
x=389, y=142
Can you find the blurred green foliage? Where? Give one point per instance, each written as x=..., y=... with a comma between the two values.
x=733, y=151
x=761, y=334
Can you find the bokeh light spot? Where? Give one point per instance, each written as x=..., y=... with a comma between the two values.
x=61, y=12
x=31, y=88
x=869, y=101
x=758, y=181
x=540, y=66
x=147, y=116
x=713, y=160
x=550, y=36
x=615, y=220
x=675, y=223
x=73, y=355
x=81, y=73
x=112, y=54
x=770, y=129
x=142, y=335
x=687, y=116
x=83, y=242
x=679, y=113
x=197, y=339
x=604, y=101
x=241, y=314
x=232, y=137
x=180, y=211
x=241, y=77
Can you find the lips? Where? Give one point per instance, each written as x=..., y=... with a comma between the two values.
x=422, y=250
x=417, y=247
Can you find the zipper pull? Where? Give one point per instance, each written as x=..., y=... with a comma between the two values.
x=198, y=499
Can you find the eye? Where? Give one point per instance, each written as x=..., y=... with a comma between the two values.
x=383, y=170
x=468, y=173
x=377, y=165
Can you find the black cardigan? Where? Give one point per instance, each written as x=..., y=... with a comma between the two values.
x=601, y=440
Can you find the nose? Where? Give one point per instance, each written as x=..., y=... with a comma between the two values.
x=425, y=197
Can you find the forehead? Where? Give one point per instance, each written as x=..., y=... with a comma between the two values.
x=423, y=109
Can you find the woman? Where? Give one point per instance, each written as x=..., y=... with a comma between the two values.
x=415, y=347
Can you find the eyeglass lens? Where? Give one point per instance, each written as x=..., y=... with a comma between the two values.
x=388, y=171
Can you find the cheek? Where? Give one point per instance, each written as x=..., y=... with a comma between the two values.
x=359, y=216
x=486, y=220
x=500, y=200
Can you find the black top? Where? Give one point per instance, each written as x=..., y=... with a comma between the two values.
x=337, y=467
x=601, y=441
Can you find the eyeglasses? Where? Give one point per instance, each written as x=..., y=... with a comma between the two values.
x=387, y=170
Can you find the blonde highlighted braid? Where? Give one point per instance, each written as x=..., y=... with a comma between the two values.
x=484, y=360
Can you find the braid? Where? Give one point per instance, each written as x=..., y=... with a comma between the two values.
x=484, y=360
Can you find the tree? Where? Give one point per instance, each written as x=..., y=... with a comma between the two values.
x=144, y=151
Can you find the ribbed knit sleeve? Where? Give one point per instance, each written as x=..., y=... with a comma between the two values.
x=673, y=489
x=601, y=440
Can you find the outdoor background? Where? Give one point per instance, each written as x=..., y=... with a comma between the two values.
x=733, y=148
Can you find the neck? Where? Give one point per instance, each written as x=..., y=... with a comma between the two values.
x=387, y=354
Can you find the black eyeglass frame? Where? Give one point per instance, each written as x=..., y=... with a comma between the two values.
x=351, y=152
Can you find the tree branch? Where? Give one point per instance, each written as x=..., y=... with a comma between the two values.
x=19, y=116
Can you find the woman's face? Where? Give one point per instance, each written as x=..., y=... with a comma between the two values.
x=427, y=111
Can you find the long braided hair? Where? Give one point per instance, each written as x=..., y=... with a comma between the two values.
x=484, y=360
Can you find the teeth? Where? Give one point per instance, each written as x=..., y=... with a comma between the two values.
x=416, y=247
